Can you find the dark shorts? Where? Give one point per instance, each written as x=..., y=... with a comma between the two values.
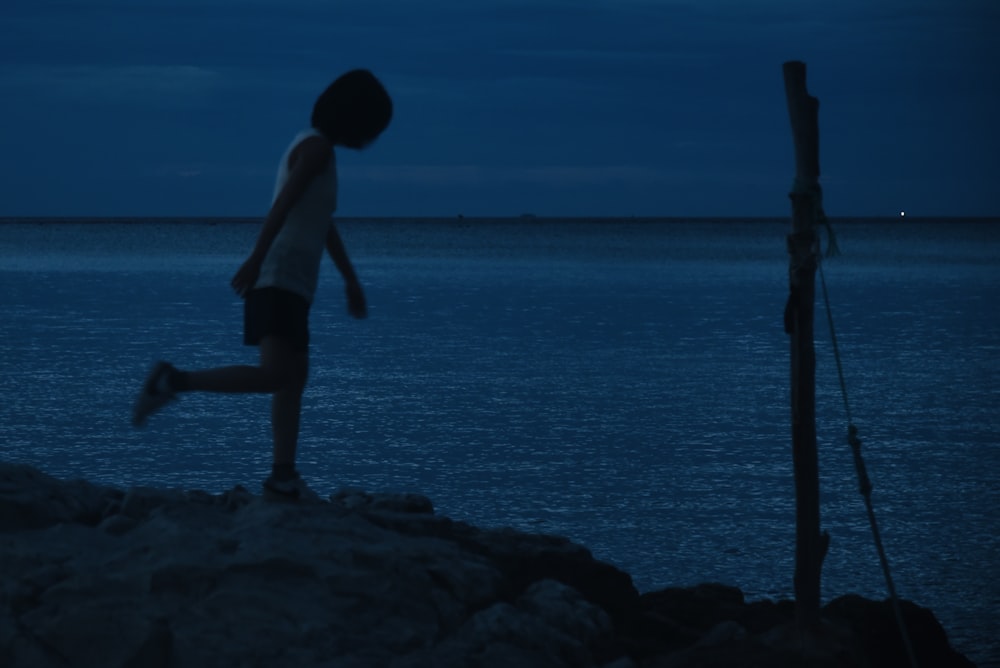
x=276, y=312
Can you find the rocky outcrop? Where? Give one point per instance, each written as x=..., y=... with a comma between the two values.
x=97, y=576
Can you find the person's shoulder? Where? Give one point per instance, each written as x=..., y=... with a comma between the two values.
x=314, y=141
x=314, y=149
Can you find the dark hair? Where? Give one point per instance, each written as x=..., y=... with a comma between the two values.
x=353, y=110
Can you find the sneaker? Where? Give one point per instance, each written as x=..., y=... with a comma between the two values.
x=155, y=394
x=292, y=490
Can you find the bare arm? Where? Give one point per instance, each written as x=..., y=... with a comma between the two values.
x=356, y=305
x=307, y=160
x=337, y=252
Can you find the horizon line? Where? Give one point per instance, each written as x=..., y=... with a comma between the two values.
x=464, y=218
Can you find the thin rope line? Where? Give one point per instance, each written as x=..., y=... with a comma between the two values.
x=833, y=340
x=864, y=481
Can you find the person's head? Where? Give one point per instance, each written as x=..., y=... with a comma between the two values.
x=353, y=110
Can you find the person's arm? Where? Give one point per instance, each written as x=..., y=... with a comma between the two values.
x=310, y=158
x=356, y=305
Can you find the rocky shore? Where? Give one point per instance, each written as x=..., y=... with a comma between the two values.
x=154, y=578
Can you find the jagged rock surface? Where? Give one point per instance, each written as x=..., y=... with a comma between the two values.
x=97, y=576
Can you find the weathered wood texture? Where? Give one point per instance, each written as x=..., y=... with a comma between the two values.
x=810, y=545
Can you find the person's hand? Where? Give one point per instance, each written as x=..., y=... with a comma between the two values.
x=246, y=276
x=356, y=305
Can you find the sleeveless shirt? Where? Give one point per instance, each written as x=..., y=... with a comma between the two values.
x=292, y=262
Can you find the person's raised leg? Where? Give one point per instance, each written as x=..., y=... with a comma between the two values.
x=278, y=368
x=264, y=379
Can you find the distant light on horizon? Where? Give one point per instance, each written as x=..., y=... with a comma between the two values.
x=902, y=214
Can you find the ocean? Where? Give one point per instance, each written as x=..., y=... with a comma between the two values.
x=620, y=382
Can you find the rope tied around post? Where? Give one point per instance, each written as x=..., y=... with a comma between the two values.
x=815, y=194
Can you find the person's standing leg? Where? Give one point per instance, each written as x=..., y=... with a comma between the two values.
x=286, y=403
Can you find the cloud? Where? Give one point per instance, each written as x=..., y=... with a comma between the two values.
x=588, y=98
x=209, y=169
x=117, y=84
x=543, y=175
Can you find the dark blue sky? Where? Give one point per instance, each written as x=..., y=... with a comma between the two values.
x=555, y=107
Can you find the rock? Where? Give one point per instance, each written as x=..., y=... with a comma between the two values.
x=528, y=558
x=103, y=633
x=30, y=499
x=94, y=576
x=721, y=634
x=139, y=502
x=550, y=624
x=621, y=662
x=355, y=499
x=829, y=645
x=739, y=653
x=875, y=624
x=758, y=617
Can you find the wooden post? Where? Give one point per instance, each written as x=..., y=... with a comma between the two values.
x=810, y=545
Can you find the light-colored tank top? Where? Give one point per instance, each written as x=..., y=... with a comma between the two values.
x=292, y=262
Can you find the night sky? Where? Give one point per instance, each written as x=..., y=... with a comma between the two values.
x=553, y=107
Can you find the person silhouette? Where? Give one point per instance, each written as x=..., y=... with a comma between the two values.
x=278, y=280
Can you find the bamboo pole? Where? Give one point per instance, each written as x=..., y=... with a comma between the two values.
x=810, y=545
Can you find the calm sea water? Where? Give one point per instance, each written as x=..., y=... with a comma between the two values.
x=623, y=383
